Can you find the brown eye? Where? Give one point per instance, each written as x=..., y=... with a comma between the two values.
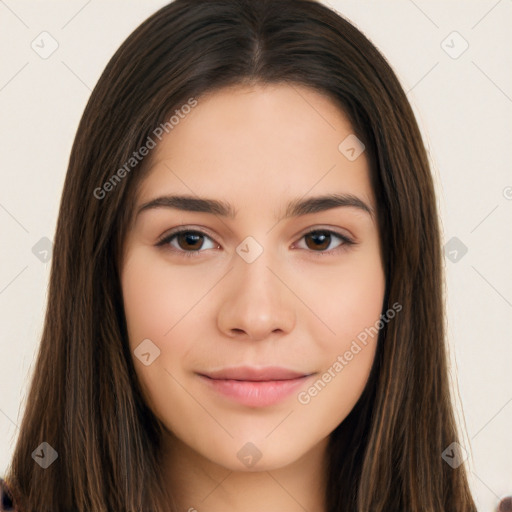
x=186, y=242
x=321, y=241
x=189, y=240
x=318, y=240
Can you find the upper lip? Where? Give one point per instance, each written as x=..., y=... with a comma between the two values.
x=250, y=373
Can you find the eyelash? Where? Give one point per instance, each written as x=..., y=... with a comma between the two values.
x=347, y=242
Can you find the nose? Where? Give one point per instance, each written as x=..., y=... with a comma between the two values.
x=256, y=301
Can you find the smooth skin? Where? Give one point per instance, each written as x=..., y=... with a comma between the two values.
x=300, y=304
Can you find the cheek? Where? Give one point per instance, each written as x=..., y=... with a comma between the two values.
x=162, y=305
x=352, y=307
x=156, y=298
x=347, y=298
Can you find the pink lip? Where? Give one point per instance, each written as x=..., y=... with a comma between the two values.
x=255, y=387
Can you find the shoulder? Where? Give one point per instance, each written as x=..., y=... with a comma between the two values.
x=6, y=499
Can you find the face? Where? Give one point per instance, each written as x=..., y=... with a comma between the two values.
x=245, y=318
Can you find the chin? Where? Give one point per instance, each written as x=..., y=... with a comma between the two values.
x=258, y=456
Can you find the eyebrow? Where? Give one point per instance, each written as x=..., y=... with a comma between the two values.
x=295, y=208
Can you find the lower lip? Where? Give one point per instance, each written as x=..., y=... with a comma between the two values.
x=255, y=393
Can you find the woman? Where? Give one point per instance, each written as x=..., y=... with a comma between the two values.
x=295, y=357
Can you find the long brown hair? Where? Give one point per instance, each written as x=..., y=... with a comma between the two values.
x=84, y=399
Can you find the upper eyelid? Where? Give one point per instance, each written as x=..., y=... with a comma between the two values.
x=185, y=229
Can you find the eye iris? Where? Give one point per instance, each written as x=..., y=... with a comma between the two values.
x=324, y=240
x=189, y=237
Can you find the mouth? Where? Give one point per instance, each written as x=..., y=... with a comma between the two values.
x=254, y=387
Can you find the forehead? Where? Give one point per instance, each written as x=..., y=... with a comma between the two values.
x=262, y=141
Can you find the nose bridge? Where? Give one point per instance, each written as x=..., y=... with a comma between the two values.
x=255, y=300
x=255, y=282
x=256, y=278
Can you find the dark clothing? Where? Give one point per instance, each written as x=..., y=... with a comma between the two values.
x=6, y=499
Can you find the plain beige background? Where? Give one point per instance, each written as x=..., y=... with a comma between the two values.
x=453, y=59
